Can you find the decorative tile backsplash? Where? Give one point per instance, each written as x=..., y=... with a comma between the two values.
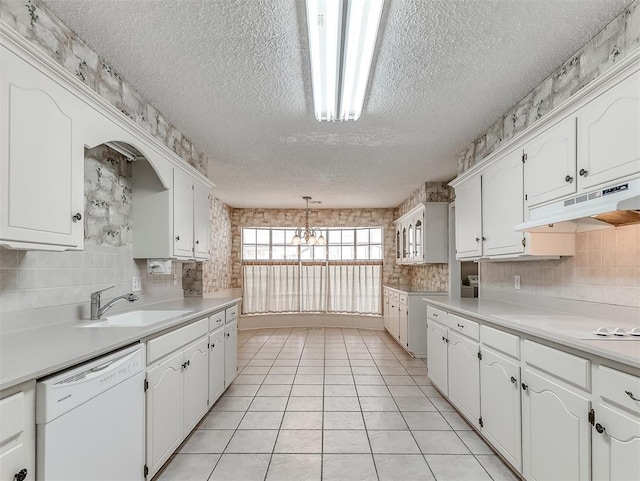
x=613, y=43
x=605, y=269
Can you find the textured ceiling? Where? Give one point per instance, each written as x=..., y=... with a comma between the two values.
x=233, y=76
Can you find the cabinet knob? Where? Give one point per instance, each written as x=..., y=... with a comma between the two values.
x=583, y=173
x=177, y=237
x=513, y=380
x=568, y=179
x=600, y=428
x=477, y=239
x=213, y=344
x=76, y=218
x=484, y=238
x=20, y=475
x=197, y=242
x=524, y=387
x=460, y=326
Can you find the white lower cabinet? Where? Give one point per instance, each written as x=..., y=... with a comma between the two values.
x=196, y=386
x=177, y=390
x=394, y=318
x=216, y=364
x=616, y=445
x=501, y=413
x=555, y=431
x=403, y=325
x=437, y=355
x=616, y=430
x=464, y=375
x=18, y=432
x=230, y=352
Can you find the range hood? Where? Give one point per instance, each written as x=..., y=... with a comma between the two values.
x=616, y=205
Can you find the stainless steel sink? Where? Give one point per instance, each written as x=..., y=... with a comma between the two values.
x=139, y=318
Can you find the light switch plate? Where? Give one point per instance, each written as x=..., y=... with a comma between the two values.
x=516, y=282
x=136, y=283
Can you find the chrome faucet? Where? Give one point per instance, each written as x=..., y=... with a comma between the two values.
x=97, y=311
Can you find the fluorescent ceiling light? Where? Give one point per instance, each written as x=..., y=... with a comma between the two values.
x=342, y=38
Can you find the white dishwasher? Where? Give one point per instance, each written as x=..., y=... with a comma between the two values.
x=90, y=420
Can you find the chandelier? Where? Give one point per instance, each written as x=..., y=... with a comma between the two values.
x=310, y=235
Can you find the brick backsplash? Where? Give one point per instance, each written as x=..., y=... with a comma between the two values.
x=605, y=269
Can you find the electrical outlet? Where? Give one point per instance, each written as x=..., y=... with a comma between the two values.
x=175, y=279
x=516, y=282
x=136, y=283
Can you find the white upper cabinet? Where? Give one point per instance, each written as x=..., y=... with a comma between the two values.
x=41, y=160
x=201, y=223
x=182, y=214
x=608, y=135
x=469, y=218
x=550, y=166
x=502, y=205
x=423, y=234
x=169, y=223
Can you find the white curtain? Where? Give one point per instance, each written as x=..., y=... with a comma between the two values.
x=355, y=288
x=340, y=287
x=271, y=287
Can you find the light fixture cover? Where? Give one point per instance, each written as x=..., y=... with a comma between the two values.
x=342, y=38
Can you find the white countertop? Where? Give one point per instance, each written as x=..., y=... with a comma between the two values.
x=43, y=349
x=571, y=330
x=412, y=290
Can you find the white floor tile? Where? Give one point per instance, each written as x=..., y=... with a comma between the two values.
x=405, y=467
x=456, y=468
x=348, y=467
x=222, y=420
x=393, y=442
x=261, y=420
x=345, y=441
x=343, y=420
x=252, y=441
x=440, y=442
x=295, y=467
x=241, y=467
x=189, y=467
x=299, y=441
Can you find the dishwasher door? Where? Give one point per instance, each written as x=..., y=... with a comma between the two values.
x=90, y=421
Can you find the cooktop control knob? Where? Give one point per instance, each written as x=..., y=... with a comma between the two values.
x=618, y=331
x=602, y=331
x=635, y=331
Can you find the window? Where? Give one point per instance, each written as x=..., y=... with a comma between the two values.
x=343, y=276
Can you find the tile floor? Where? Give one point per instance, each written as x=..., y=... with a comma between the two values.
x=331, y=404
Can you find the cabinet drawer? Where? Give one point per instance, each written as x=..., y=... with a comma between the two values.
x=567, y=367
x=216, y=320
x=396, y=296
x=500, y=341
x=163, y=345
x=11, y=416
x=464, y=326
x=231, y=313
x=437, y=314
x=386, y=293
x=618, y=387
x=403, y=299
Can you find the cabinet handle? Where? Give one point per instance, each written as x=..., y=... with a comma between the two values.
x=477, y=239
x=460, y=326
x=20, y=475
x=177, y=237
x=583, y=173
x=213, y=344
x=435, y=314
x=600, y=428
x=513, y=380
x=630, y=394
x=197, y=242
x=568, y=179
x=524, y=387
x=484, y=239
x=76, y=218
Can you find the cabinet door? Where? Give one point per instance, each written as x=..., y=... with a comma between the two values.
x=41, y=160
x=398, y=246
x=419, y=244
x=464, y=376
x=394, y=319
x=437, y=355
x=403, y=326
x=230, y=352
x=405, y=244
x=196, y=385
x=608, y=140
x=17, y=434
x=386, y=311
x=201, y=225
x=469, y=218
x=216, y=365
x=500, y=406
x=182, y=214
x=616, y=450
x=411, y=242
x=165, y=402
x=503, y=205
x=555, y=431
x=550, y=168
